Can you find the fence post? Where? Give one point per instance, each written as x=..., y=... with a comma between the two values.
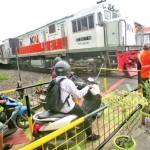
x=29, y=116
x=139, y=77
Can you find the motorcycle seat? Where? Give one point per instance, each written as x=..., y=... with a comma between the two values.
x=49, y=114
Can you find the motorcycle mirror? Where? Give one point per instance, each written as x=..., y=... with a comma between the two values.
x=72, y=73
x=90, y=79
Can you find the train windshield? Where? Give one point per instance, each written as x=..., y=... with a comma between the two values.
x=114, y=15
x=107, y=15
x=146, y=38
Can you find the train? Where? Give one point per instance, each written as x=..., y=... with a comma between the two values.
x=89, y=39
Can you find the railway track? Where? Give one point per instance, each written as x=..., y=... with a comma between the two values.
x=112, y=74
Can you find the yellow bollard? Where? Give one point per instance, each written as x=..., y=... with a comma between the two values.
x=31, y=127
x=105, y=85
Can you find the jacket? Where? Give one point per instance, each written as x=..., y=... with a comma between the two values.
x=144, y=59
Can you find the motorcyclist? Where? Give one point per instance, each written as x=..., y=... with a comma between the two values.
x=62, y=69
x=57, y=59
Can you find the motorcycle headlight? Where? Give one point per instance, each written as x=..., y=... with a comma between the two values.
x=20, y=103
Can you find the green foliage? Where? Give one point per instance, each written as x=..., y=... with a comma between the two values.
x=124, y=100
x=3, y=76
x=40, y=81
x=124, y=142
x=147, y=89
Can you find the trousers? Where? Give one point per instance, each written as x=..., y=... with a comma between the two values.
x=77, y=110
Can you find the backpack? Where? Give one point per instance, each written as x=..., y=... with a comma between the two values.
x=53, y=96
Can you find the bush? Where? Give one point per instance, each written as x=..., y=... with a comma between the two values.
x=3, y=76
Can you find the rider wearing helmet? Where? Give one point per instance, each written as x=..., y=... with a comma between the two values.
x=62, y=69
x=57, y=59
x=144, y=60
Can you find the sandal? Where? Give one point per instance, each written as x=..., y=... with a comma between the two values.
x=8, y=146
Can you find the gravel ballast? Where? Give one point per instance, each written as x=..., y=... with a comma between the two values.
x=27, y=78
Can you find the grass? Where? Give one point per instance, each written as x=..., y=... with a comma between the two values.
x=3, y=76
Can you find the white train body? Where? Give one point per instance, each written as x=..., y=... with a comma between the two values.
x=87, y=35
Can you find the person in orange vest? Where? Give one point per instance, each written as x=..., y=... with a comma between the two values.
x=144, y=59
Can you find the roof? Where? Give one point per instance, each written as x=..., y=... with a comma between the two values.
x=86, y=11
x=46, y=25
x=146, y=29
x=139, y=24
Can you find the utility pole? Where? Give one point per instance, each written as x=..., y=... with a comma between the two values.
x=18, y=64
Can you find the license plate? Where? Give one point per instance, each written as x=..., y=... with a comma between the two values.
x=42, y=97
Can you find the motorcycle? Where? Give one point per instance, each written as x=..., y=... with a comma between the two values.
x=21, y=118
x=8, y=126
x=47, y=121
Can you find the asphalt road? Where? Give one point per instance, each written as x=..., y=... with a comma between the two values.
x=117, y=81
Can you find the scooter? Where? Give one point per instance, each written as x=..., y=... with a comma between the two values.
x=47, y=121
x=8, y=126
x=21, y=118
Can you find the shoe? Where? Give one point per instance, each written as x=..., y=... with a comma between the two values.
x=93, y=137
x=8, y=146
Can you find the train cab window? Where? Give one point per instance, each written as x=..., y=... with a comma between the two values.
x=79, y=25
x=99, y=17
x=91, y=22
x=74, y=25
x=114, y=15
x=107, y=15
x=52, y=29
x=84, y=24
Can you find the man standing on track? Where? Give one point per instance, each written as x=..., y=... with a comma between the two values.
x=144, y=59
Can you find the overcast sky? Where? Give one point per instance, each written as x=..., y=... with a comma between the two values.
x=20, y=16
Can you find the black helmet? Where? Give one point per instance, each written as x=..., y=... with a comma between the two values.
x=57, y=59
x=146, y=46
x=62, y=68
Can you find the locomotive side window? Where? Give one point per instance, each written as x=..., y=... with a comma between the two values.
x=99, y=17
x=20, y=43
x=74, y=25
x=91, y=22
x=146, y=38
x=114, y=15
x=52, y=29
x=79, y=25
x=107, y=15
x=84, y=24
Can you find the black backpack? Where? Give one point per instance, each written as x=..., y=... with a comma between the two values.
x=53, y=96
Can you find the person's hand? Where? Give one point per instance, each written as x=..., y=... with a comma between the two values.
x=90, y=86
x=2, y=101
